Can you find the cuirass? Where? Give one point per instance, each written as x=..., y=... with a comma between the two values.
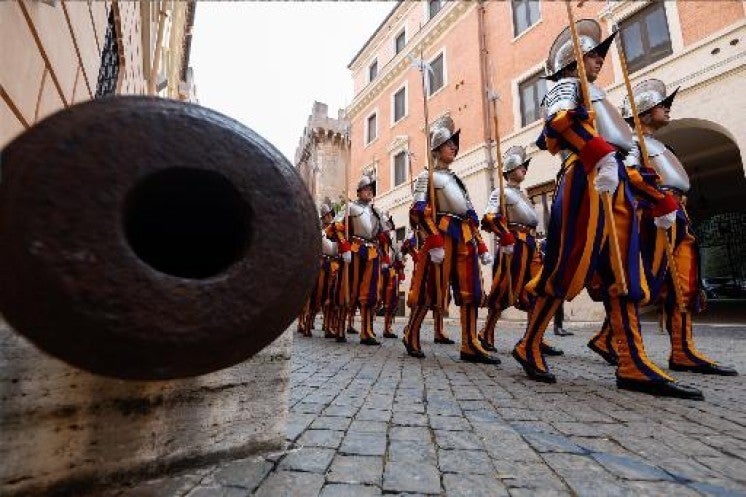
x=519, y=208
x=363, y=221
x=609, y=122
x=671, y=171
x=450, y=196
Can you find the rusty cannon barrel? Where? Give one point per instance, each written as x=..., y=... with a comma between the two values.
x=143, y=238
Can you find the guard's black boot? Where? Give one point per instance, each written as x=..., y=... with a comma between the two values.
x=661, y=388
x=549, y=350
x=534, y=373
x=710, y=368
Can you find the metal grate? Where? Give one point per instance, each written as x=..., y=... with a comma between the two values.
x=108, y=74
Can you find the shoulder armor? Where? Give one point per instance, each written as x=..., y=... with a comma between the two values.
x=356, y=209
x=420, y=187
x=596, y=93
x=512, y=196
x=655, y=147
x=565, y=95
x=441, y=178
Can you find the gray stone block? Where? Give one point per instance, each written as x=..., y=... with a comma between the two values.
x=356, y=470
x=411, y=477
x=291, y=484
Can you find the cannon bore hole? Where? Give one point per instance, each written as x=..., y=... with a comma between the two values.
x=186, y=222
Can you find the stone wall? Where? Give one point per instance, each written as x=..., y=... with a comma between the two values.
x=63, y=427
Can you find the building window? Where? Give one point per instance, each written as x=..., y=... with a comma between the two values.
x=525, y=15
x=436, y=77
x=400, y=104
x=373, y=71
x=433, y=7
x=531, y=92
x=400, y=41
x=401, y=232
x=400, y=168
x=645, y=36
x=372, y=128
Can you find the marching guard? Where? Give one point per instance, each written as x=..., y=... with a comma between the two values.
x=677, y=299
x=453, y=248
x=360, y=235
x=581, y=240
x=519, y=259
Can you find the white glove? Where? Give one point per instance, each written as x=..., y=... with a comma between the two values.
x=437, y=254
x=506, y=249
x=666, y=221
x=486, y=258
x=347, y=257
x=607, y=179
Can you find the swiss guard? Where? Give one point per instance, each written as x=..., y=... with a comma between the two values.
x=591, y=146
x=360, y=249
x=453, y=248
x=677, y=299
x=519, y=259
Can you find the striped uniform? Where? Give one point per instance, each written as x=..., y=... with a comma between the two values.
x=577, y=244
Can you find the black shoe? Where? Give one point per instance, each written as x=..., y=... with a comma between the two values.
x=709, y=368
x=479, y=358
x=534, y=373
x=416, y=353
x=487, y=346
x=342, y=339
x=369, y=341
x=561, y=332
x=549, y=350
x=351, y=330
x=610, y=359
x=390, y=335
x=660, y=388
x=444, y=340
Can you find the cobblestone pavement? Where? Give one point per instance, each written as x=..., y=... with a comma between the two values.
x=366, y=421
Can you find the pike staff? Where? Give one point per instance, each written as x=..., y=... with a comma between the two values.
x=610, y=223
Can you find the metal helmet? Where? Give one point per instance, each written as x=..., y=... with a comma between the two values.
x=648, y=94
x=562, y=53
x=324, y=210
x=515, y=157
x=441, y=131
x=367, y=180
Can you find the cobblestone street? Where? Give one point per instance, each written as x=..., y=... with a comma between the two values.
x=367, y=421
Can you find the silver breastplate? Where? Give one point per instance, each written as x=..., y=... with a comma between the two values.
x=363, y=222
x=519, y=208
x=328, y=247
x=450, y=196
x=671, y=171
x=609, y=122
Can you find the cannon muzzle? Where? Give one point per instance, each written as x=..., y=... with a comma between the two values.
x=144, y=238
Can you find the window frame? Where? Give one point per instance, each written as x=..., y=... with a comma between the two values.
x=394, y=155
x=370, y=66
x=535, y=79
x=402, y=32
x=440, y=53
x=640, y=17
x=513, y=15
x=394, y=120
x=428, y=12
x=366, y=127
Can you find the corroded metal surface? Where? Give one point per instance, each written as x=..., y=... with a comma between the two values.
x=150, y=239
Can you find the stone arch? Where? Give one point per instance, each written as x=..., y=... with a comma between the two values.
x=716, y=201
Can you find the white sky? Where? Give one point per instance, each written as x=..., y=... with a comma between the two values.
x=264, y=63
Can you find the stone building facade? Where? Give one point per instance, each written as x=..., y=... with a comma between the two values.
x=323, y=154
x=59, y=53
x=476, y=46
